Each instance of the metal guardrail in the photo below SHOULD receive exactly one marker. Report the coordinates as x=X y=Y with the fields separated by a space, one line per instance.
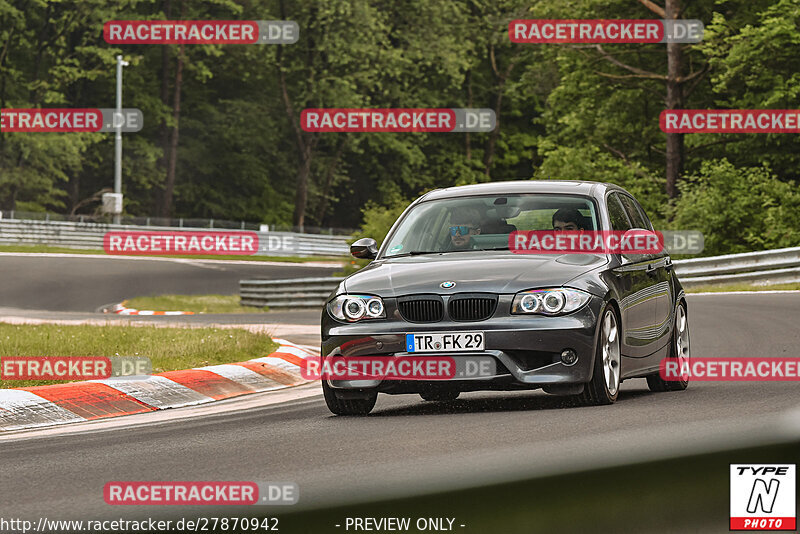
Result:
x=292 y=293
x=89 y=235
x=766 y=267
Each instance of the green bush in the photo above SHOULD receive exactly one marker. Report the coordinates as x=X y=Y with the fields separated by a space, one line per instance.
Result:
x=738 y=209
x=378 y=220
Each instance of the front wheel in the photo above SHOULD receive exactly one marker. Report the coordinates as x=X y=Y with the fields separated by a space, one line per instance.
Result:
x=340 y=406
x=679 y=350
x=604 y=386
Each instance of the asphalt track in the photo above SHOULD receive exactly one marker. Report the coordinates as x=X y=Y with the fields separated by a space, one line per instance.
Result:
x=86 y=282
x=408 y=447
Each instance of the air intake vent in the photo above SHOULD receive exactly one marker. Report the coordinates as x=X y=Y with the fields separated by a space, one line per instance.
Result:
x=421 y=308
x=472 y=307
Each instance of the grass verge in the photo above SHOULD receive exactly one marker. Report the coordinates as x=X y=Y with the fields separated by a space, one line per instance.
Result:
x=169 y=349
x=742 y=287
x=192 y=303
x=64 y=250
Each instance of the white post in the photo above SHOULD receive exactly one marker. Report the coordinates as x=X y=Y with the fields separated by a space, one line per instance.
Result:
x=118 y=136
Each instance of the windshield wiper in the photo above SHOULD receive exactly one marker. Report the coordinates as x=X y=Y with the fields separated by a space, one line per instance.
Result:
x=419 y=252
x=413 y=253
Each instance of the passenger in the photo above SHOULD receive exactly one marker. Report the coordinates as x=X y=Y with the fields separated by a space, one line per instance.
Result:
x=569 y=219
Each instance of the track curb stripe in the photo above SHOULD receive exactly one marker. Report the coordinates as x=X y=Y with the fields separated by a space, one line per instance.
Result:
x=39 y=406
x=291 y=358
x=121 y=309
x=23 y=409
x=242 y=375
x=157 y=391
x=271 y=372
x=90 y=400
x=208 y=383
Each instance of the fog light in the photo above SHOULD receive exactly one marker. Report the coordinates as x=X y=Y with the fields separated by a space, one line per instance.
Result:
x=569 y=357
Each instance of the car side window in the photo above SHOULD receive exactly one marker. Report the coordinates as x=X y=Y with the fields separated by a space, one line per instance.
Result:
x=648 y=223
x=634 y=212
x=619 y=221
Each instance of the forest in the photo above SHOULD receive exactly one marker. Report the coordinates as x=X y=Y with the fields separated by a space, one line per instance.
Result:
x=222 y=136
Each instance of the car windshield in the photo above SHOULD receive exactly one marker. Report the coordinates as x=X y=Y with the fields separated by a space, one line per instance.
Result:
x=485 y=222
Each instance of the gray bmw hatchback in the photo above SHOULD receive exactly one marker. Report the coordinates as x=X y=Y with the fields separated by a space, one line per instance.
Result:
x=448 y=285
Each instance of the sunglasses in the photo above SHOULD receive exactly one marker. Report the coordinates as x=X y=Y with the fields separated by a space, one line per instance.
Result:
x=463 y=230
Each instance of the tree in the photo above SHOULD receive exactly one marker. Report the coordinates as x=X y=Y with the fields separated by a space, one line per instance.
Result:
x=47 y=58
x=755 y=57
x=625 y=85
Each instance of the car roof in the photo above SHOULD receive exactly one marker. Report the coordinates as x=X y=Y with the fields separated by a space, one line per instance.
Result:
x=579 y=187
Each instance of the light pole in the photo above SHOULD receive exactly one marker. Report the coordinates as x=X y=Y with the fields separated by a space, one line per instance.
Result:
x=118 y=138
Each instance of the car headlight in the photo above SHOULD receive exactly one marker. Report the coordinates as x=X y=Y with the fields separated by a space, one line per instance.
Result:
x=352 y=308
x=555 y=301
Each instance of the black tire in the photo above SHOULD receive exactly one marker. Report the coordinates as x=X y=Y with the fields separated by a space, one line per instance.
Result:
x=347 y=406
x=654 y=381
x=596 y=392
x=440 y=396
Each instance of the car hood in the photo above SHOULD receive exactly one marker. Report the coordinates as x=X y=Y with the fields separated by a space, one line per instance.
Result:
x=491 y=272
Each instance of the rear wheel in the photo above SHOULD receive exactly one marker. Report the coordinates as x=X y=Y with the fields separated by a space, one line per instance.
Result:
x=345 y=406
x=440 y=395
x=679 y=349
x=604 y=386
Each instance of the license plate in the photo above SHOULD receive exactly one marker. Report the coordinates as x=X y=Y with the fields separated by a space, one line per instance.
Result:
x=444 y=342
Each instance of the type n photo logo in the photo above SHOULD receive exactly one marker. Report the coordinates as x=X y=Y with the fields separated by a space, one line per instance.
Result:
x=763 y=497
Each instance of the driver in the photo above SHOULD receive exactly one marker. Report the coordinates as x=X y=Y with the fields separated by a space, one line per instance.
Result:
x=464 y=224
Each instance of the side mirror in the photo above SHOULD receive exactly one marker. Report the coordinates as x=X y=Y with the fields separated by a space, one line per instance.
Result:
x=637 y=243
x=365 y=248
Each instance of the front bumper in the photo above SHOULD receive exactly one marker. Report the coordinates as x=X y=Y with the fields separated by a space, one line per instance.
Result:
x=526 y=348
